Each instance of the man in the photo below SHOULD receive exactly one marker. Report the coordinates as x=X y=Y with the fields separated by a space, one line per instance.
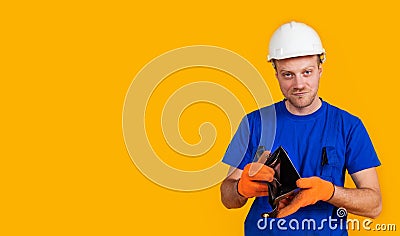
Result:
x=322 y=141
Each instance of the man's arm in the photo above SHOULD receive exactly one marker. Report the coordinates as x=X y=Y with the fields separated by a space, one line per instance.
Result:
x=247 y=183
x=229 y=194
x=365 y=200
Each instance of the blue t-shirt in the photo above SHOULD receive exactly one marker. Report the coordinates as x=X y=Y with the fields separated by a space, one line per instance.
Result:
x=342 y=135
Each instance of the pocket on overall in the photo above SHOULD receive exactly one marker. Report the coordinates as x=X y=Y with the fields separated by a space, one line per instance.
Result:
x=330 y=164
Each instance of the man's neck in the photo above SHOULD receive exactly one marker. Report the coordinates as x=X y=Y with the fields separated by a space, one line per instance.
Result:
x=302 y=111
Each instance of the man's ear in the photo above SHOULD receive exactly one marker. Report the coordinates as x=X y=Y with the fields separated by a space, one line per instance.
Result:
x=320 y=70
x=276 y=74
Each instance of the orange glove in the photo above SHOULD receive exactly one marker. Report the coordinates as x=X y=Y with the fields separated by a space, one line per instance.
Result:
x=313 y=189
x=254 y=177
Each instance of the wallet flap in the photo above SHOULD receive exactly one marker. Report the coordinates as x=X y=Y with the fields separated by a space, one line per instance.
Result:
x=285 y=177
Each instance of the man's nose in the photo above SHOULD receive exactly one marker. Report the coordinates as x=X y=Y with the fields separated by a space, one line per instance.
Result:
x=299 y=82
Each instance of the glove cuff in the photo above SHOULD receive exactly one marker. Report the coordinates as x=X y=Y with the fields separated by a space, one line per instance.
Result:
x=237 y=189
x=333 y=192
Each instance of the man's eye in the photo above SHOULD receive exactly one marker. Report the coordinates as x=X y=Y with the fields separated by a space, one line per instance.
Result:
x=287 y=75
x=308 y=72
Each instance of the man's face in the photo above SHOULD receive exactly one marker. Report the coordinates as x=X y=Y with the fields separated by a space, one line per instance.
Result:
x=298 y=79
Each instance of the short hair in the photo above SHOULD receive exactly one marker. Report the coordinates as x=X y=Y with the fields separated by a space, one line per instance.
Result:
x=321 y=59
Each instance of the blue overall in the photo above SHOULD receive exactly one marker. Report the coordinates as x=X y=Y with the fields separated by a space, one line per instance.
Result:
x=340 y=135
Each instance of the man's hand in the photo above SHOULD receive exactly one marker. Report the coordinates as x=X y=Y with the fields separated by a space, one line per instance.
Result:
x=313 y=189
x=254 y=178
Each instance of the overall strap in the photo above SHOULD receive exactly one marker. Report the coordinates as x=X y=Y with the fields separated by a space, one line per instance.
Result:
x=332 y=123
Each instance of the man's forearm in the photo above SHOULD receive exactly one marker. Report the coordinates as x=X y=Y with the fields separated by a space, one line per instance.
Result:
x=360 y=201
x=230 y=196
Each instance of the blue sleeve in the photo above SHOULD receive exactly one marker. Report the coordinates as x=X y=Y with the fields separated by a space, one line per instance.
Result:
x=360 y=152
x=239 y=152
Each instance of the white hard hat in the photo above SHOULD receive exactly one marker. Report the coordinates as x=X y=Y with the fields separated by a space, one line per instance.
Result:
x=295 y=39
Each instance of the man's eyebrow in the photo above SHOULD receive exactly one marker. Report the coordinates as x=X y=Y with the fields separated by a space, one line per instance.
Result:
x=304 y=68
x=284 y=70
x=309 y=67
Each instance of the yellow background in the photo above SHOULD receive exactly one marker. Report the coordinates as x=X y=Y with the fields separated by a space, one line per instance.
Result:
x=67 y=65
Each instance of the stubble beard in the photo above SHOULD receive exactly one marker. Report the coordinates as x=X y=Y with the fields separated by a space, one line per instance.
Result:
x=303 y=101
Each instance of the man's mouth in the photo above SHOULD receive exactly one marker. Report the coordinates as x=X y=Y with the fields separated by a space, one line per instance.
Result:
x=299 y=94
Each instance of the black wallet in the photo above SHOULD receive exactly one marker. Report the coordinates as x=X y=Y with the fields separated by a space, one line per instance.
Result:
x=284 y=183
